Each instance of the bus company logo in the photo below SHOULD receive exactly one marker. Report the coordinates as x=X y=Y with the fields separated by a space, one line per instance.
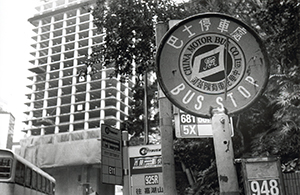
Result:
x=145 y=150
x=212 y=62
x=109 y=130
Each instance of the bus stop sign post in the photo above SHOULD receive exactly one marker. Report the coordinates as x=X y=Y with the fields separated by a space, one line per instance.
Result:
x=209 y=63
x=223 y=146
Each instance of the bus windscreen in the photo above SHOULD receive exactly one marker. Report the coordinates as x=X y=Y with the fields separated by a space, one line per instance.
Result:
x=5 y=168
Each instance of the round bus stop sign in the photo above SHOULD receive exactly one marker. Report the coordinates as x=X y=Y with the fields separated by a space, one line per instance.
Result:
x=209 y=61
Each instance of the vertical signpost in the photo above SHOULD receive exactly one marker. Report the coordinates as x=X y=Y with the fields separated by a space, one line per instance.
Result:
x=212 y=66
x=165 y=123
x=145 y=164
x=111 y=155
x=227 y=176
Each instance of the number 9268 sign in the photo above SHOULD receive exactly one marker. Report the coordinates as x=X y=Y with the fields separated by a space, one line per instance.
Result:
x=264 y=187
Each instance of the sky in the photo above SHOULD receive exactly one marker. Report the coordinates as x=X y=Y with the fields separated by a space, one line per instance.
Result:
x=15 y=40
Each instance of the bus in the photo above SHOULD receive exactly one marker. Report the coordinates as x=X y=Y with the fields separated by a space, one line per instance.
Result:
x=20 y=177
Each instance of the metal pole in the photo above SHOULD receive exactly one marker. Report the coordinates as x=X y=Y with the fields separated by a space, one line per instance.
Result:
x=227 y=175
x=146 y=125
x=126 y=175
x=165 y=123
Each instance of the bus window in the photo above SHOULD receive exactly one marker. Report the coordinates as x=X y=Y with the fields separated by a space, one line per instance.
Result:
x=17 y=171
x=52 y=188
x=34 y=180
x=43 y=184
x=28 y=177
x=47 y=186
x=5 y=168
x=39 y=182
x=20 y=173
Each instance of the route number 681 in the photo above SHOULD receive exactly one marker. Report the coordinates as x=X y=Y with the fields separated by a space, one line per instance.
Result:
x=264 y=187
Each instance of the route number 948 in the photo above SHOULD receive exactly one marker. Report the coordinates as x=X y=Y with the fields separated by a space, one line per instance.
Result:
x=264 y=187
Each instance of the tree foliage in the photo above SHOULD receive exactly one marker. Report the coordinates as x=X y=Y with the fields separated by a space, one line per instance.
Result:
x=269 y=127
x=130 y=33
x=129 y=27
x=279 y=20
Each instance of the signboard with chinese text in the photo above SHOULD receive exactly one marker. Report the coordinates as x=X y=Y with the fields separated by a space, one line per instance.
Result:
x=262 y=176
x=111 y=155
x=212 y=61
x=189 y=126
x=146 y=170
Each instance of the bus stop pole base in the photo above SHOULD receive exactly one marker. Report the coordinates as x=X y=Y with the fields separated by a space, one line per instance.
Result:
x=227 y=175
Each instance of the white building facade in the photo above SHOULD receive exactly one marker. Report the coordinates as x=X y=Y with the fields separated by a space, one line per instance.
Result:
x=65 y=111
x=7 y=123
x=60 y=101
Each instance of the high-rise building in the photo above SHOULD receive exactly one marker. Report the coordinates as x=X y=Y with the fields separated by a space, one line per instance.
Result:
x=60 y=101
x=7 y=123
x=65 y=107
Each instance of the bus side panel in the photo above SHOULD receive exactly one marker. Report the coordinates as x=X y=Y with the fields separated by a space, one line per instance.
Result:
x=39 y=193
x=33 y=192
x=29 y=191
x=22 y=190
x=19 y=189
x=7 y=188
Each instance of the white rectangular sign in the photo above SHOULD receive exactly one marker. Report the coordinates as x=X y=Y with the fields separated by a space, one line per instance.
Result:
x=189 y=126
x=262 y=175
x=146 y=170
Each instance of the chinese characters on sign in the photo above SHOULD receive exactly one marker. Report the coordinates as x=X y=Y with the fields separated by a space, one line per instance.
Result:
x=146 y=170
x=149 y=190
x=144 y=162
x=189 y=126
x=205 y=24
x=212 y=61
x=111 y=155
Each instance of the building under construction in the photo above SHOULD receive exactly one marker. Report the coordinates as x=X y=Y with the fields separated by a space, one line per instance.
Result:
x=65 y=107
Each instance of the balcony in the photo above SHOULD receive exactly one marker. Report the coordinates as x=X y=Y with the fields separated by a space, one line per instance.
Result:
x=38 y=69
